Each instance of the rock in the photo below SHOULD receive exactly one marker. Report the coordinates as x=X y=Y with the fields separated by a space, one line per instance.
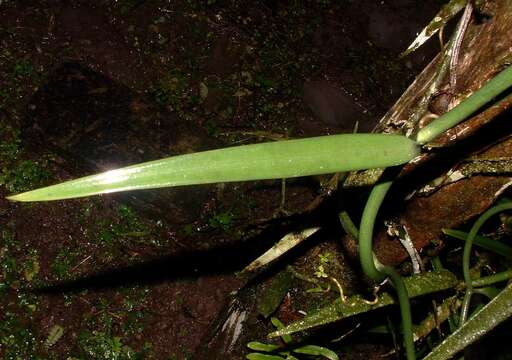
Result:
x=332 y=106
x=81 y=29
x=388 y=30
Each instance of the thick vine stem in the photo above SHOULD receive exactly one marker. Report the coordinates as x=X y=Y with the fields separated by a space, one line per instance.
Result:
x=377 y=271
x=467 y=255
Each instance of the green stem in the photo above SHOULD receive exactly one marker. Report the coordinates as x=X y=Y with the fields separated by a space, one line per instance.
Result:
x=482 y=241
x=348 y=225
x=368 y=261
x=467 y=255
x=479 y=98
x=492 y=279
x=405 y=310
x=437 y=265
x=377 y=271
x=302 y=277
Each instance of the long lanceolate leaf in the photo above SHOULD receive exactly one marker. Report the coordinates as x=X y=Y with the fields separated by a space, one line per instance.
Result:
x=283 y=159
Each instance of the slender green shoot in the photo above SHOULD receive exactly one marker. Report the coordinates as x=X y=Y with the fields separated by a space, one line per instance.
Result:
x=492 y=279
x=377 y=271
x=348 y=225
x=437 y=265
x=368 y=261
x=479 y=98
x=467 y=255
x=482 y=241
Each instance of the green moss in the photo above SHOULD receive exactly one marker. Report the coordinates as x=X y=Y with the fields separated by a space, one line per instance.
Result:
x=31 y=267
x=19 y=264
x=24 y=176
x=22 y=68
x=63 y=263
x=126 y=227
x=9 y=272
x=222 y=221
x=16 y=174
x=134 y=311
x=99 y=345
x=174 y=92
x=16 y=341
x=10 y=144
x=109 y=326
x=20 y=78
x=183 y=355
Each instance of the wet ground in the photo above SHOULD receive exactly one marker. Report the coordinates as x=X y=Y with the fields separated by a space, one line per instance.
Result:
x=88 y=86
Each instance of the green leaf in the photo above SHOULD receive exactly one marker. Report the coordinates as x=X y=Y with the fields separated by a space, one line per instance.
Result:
x=258 y=346
x=495 y=312
x=55 y=334
x=257 y=356
x=203 y=90
x=31 y=270
x=279 y=326
x=273 y=160
x=317 y=351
